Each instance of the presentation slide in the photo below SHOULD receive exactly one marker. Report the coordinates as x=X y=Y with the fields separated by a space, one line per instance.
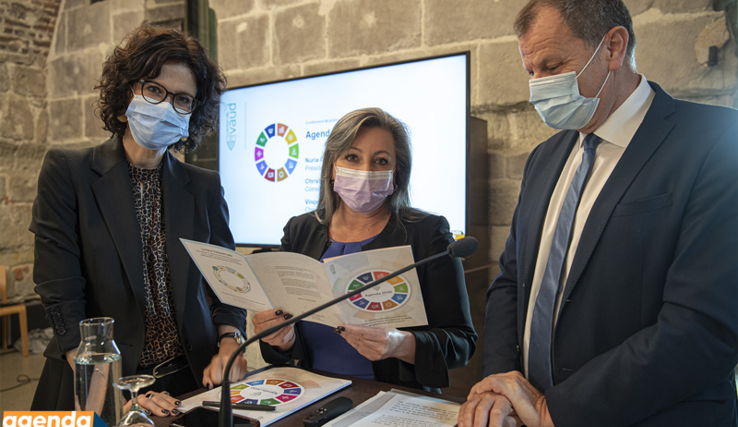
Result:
x=272 y=139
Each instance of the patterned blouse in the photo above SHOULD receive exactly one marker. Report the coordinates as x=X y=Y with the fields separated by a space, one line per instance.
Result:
x=162 y=337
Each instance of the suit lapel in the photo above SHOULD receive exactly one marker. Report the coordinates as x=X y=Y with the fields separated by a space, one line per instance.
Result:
x=645 y=142
x=114 y=198
x=179 y=208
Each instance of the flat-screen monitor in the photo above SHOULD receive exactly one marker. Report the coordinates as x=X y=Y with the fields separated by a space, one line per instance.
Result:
x=272 y=137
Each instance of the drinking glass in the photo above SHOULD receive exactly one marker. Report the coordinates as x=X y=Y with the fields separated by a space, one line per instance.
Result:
x=135 y=416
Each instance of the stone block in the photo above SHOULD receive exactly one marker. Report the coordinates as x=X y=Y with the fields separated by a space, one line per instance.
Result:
x=262 y=75
x=681 y=6
x=516 y=165
x=65 y=119
x=243 y=43
x=14 y=221
x=317 y=68
x=230 y=8
x=71 y=4
x=93 y=124
x=75 y=74
x=168 y=13
x=88 y=26
x=21 y=282
x=527 y=130
x=42 y=126
x=3 y=190
x=299 y=34
x=16 y=118
x=676 y=69
x=7 y=155
x=28 y=81
x=502 y=78
x=124 y=23
x=28 y=157
x=277 y=3
x=715 y=34
x=118 y=6
x=22 y=187
x=60 y=44
x=503 y=197
x=463 y=20
x=4 y=77
x=358 y=27
x=636 y=7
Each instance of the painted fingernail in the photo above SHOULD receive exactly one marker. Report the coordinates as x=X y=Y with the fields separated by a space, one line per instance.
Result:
x=341 y=328
x=210 y=386
x=337 y=330
x=166 y=392
x=278 y=313
x=147 y=412
x=177 y=403
x=288 y=316
x=175 y=412
x=165 y=411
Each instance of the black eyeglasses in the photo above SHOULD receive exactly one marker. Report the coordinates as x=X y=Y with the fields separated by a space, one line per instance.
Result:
x=155 y=93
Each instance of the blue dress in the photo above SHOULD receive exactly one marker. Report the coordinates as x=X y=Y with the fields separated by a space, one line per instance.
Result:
x=329 y=351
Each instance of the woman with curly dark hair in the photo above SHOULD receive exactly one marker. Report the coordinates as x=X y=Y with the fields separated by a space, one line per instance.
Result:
x=107 y=222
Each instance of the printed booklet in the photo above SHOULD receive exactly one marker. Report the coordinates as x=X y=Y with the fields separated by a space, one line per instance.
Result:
x=296 y=283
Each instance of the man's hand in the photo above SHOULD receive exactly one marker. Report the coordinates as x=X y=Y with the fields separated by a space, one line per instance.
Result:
x=488 y=409
x=213 y=373
x=528 y=404
x=379 y=344
x=284 y=338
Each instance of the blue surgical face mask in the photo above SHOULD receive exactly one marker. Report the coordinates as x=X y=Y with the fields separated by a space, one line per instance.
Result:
x=558 y=101
x=156 y=126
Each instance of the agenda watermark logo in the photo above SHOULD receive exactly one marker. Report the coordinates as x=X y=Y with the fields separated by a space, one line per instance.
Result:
x=275 y=145
x=52 y=419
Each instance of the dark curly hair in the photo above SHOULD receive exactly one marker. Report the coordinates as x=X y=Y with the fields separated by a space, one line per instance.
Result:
x=141 y=55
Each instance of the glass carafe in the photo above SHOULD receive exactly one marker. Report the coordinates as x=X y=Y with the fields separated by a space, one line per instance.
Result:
x=97 y=367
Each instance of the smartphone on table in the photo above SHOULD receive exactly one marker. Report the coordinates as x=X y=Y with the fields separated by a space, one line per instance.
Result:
x=206 y=417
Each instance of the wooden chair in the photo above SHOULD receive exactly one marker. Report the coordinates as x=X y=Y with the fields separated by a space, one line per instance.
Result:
x=7 y=310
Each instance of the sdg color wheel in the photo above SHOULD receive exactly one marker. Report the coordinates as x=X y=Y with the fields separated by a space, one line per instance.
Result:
x=276 y=133
x=386 y=296
x=270 y=392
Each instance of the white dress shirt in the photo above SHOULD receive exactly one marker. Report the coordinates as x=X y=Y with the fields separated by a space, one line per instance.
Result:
x=616 y=133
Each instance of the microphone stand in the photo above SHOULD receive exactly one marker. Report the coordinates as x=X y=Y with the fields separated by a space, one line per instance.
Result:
x=225 y=418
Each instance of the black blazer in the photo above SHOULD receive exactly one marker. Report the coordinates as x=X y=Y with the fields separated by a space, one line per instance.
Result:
x=89 y=255
x=449 y=339
x=647 y=333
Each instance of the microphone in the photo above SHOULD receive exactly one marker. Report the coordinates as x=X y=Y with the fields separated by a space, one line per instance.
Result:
x=460 y=248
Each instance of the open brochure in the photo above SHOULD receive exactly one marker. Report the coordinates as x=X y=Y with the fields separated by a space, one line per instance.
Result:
x=297 y=283
x=289 y=389
x=398 y=408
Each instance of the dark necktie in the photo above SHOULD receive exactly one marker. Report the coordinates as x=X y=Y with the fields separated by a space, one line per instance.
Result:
x=541 y=328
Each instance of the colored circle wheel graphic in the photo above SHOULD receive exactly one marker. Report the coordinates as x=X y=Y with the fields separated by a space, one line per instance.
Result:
x=243 y=286
x=387 y=296
x=276 y=133
x=271 y=392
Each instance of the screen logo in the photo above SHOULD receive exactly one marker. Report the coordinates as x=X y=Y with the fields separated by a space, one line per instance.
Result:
x=282 y=147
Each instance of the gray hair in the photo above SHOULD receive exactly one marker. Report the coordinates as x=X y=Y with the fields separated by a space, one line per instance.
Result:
x=589 y=20
x=340 y=140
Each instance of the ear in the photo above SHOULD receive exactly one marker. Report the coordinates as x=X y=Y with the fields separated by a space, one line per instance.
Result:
x=616 y=47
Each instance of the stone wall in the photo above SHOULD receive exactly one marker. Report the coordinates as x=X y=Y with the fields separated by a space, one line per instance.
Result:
x=26 y=31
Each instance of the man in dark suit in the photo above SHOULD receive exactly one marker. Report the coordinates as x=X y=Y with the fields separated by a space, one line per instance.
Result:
x=617 y=300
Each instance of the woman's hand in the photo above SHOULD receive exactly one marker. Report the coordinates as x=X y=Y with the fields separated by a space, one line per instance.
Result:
x=158 y=404
x=284 y=338
x=213 y=373
x=378 y=344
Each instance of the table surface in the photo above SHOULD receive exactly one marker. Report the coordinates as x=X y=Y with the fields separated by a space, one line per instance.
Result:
x=359 y=391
